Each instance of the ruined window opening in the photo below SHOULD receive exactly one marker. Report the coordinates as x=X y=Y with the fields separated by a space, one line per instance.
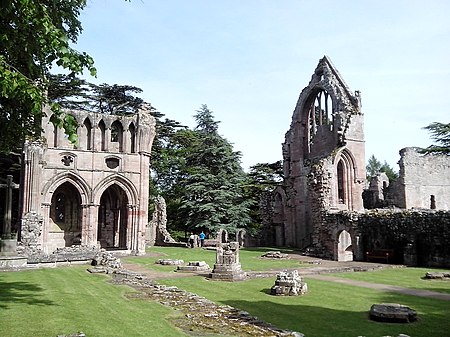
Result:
x=432 y=202
x=55 y=135
x=88 y=126
x=341 y=182
x=320 y=114
x=102 y=127
x=117 y=134
x=132 y=130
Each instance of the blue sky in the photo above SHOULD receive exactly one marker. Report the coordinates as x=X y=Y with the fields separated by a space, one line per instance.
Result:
x=248 y=60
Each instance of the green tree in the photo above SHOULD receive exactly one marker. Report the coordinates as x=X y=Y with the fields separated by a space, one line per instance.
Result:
x=374 y=167
x=262 y=178
x=440 y=132
x=214 y=182
x=34 y=35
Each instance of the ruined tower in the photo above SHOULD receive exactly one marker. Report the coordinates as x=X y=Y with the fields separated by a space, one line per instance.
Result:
x=323 y=158
x=92 y=192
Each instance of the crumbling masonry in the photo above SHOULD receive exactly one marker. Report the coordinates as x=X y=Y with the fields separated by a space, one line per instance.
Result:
x=319 y=206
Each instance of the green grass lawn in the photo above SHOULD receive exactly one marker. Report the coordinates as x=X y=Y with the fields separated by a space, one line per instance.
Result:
x=402 y=277
x=250 y=258
x=328 y=309
x=49 y=302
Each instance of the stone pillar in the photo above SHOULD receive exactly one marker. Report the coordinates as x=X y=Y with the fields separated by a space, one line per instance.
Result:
x=45 y=227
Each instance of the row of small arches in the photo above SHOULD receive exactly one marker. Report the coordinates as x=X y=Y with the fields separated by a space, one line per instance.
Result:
x=99 y=137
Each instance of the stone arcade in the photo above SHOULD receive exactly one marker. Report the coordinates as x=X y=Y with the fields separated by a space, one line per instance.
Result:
x=94 y=192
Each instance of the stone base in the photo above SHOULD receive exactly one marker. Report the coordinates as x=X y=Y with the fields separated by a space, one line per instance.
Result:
x=8 y=247
x=392 y=312
x=228 y=272
x=11 y=262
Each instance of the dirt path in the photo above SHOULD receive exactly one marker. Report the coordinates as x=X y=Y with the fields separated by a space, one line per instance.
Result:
x=383 y=287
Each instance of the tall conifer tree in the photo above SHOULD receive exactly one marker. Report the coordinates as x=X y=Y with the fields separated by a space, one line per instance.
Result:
x=214 y=182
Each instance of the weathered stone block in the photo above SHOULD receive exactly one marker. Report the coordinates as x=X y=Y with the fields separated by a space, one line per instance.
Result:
x=392 y=312
x=289 y=284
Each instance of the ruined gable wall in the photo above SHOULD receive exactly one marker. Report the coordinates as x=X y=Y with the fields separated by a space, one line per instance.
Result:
x=423 y=176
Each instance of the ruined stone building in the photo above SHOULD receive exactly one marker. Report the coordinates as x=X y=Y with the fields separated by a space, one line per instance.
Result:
x=323 y=157
x=320 y=204
x=93 y=192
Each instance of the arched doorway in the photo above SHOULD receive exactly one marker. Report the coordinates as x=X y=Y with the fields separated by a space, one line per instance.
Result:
x=344 y=247
x=113 y=218
x=65 y=216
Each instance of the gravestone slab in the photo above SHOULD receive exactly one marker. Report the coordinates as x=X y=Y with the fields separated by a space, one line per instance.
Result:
x=392 y=312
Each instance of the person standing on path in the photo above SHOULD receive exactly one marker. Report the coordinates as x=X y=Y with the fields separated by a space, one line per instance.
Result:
x=191 y=240
x=202 y=239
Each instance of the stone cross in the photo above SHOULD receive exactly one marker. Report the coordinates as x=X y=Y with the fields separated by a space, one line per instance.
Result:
x=8 y=205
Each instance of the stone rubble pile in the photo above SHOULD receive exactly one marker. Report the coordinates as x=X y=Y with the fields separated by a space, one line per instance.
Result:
x=105 y=262
x=201 y=315
x=437 y=275
x=289 y=283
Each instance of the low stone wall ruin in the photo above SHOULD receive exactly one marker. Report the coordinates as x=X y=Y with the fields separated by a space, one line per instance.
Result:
x=418 y=237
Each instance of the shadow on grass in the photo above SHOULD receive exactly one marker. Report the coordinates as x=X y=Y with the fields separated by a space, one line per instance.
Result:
x=21 y=292
x=319 y=321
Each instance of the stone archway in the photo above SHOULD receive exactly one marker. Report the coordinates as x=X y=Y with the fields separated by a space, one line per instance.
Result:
x=113 y=218
x=344 y=246
x=65 y=217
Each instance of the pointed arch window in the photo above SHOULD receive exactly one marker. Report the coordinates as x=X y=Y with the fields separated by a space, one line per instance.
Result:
x=320 y=115
x=117 y=134
x=88 y=127
x=102 y=127
x=341 y=179
x=132 y=130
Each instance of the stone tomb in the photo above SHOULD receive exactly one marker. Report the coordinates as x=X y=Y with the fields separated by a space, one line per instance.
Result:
x=289 y=283
x=392 y=312
x=195 y=266
x=227 y=266
x=169 y=262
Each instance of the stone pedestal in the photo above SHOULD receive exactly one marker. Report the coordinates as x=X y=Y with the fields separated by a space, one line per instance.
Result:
x=227 y=267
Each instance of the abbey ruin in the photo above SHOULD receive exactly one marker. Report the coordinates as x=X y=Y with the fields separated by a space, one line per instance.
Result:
x=95 y=193
x=320 y=205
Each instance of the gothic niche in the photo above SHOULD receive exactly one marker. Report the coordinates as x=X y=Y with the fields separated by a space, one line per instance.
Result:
x=65 y=214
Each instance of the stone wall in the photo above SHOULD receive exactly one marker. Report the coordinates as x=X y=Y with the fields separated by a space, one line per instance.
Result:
x=424 y=181
x=418 y=237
